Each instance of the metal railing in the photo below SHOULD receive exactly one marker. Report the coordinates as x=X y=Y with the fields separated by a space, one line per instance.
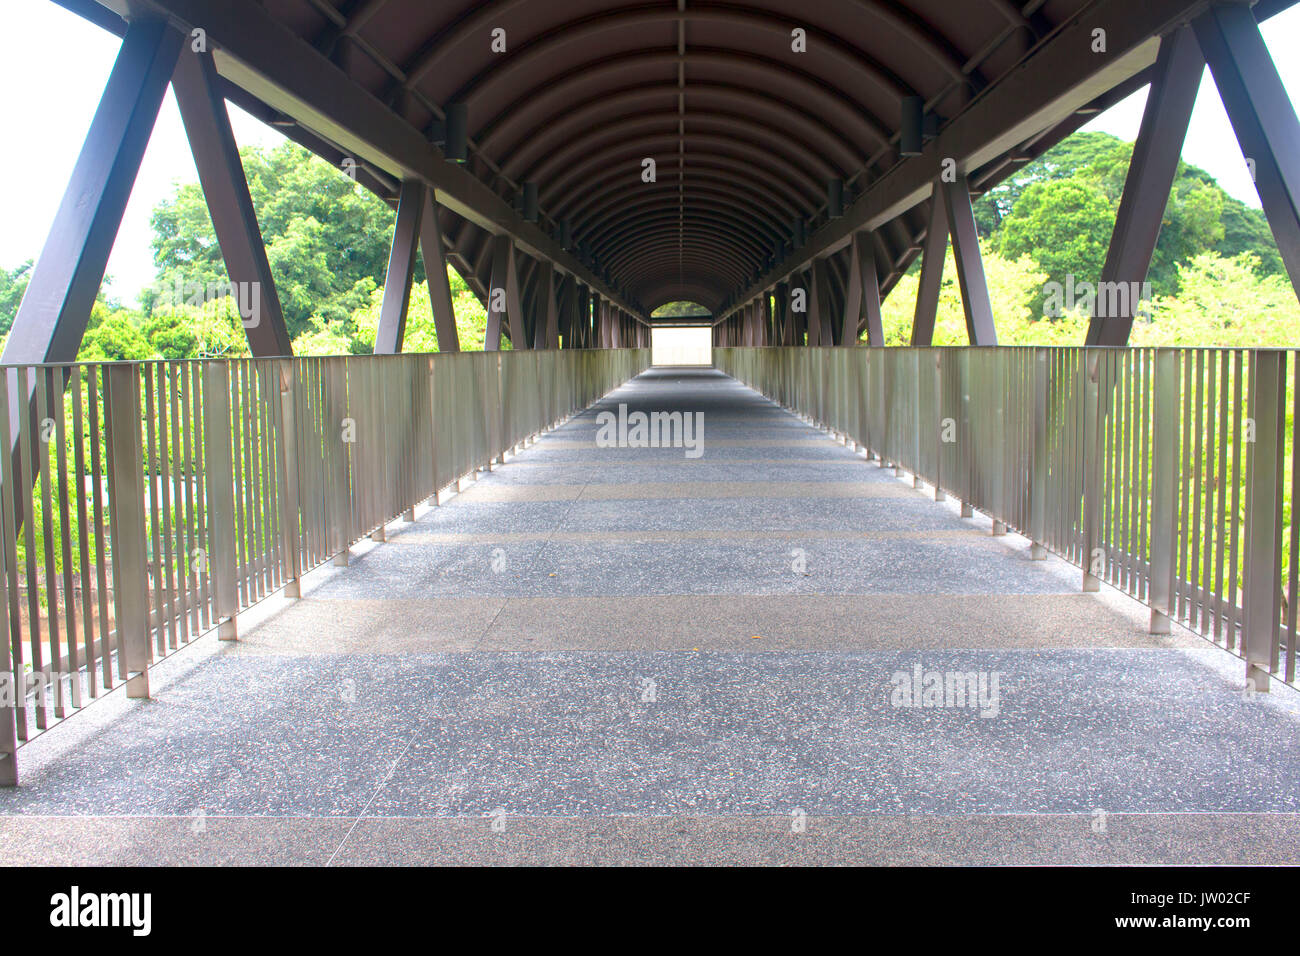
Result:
x=1167 y=473
x=146 y=503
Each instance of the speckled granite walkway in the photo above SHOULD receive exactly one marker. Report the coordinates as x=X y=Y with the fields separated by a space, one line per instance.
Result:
x=630 y=655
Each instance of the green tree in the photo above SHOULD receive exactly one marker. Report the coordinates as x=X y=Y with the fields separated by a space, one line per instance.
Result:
x=1223 y=302
x=1015 y=287
x=13 y=283
x=326 y=238
x=356 y=336
x=211 y=330
x=1200 y=216
x=115 y=338
x=1063 y=225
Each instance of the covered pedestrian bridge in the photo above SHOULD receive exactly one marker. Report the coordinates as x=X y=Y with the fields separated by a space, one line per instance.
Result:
x=853 y=603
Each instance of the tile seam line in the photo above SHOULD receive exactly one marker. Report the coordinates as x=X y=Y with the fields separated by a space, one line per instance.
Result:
x=892 y=814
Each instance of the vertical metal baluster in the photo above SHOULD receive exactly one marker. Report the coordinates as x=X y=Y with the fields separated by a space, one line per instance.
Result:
x=1234 y=567
x=1261 y=597
x=59 y=376
x=1196 y=583
x=290 y=529
x=12 y=635
x=1182 y=577
x=25 y=472
x=41 y=446
x=1214 y=481
x=154 y=567
x=218 y=443
x=83 y=533
x=1146 y=453
x=177 y=582
x=1164 y=492
x=198 y=398
x=127 y=524
x=98 y=474
x=188 y=571
x=1293 y=549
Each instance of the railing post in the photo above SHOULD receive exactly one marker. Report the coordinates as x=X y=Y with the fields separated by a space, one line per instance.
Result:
x=997 y=477
x=939 y=473
x=917 y=464
x=1093 y=447
x=1039 y=461
x=222 y=559
x=434 y=450
x=1261 y=588
x=127 y=525
x=289 y=523
x=8 y=711
x=1164 y=490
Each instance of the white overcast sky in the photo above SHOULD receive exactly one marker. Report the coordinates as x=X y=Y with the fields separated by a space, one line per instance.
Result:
x=53 y=66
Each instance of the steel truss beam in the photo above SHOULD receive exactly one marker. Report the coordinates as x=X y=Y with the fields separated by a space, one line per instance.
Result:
x=862 y=294
x=1262 y=117
x=820 y=323
x=1061 y=76
x=1150 y=178
x=505 y=278
x=435 y=276
x=546 y=331
x=927 y=293
x=225 y=189
x=970 y=266
x=417 y=228
x=260 y=54
x=56 y=307
x=401 y=266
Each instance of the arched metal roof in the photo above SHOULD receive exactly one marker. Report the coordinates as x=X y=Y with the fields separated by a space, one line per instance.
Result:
x=745 y=125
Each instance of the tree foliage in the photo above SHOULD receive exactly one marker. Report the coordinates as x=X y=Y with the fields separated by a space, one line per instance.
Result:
x=327 y=238
x=1077 y=185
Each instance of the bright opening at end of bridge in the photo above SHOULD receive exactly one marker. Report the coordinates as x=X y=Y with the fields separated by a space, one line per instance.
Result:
x=682 y=335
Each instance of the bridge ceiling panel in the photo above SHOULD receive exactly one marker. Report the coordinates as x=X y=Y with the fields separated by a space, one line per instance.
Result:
x=745 y=121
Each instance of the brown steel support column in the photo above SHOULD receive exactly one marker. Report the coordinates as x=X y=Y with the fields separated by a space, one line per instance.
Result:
x=591 y=320
x=1146 y=189
x=1262 y=117
x=970 y=266
x=564 y=309
x=819 y=305
x=799 y=320
x=811 y=325
x=784 y=321
x=932 y=257
x=862 y=296
x=435 y=273
x=56 y=307
x=401 y=267
x=504 y=292
x=546 y=329
x=581 y=316
x=225 y=188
